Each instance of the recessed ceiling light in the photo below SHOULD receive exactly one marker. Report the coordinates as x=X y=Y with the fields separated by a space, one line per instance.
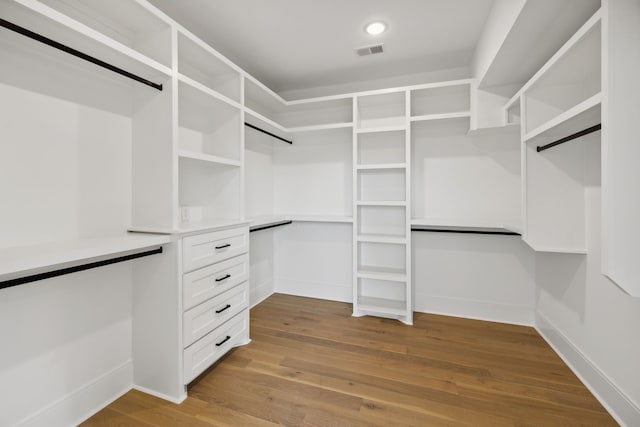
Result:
x=375 y=28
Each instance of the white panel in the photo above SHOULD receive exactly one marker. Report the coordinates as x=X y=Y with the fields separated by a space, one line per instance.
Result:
x=60 y=335
x=313 y=176
x=621 y=174
x=314 y=260
x=261 y=260
x=475 y=276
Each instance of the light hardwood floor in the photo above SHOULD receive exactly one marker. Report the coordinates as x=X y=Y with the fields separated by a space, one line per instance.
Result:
x=311 y=363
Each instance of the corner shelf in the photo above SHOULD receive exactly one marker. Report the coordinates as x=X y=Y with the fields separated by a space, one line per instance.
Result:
x=382 y=238
x=380 y=129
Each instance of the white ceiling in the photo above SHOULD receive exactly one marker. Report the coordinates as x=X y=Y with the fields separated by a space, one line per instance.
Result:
x=300 y=44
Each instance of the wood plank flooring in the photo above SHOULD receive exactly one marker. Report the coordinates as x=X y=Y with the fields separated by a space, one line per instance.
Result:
x=311 y=364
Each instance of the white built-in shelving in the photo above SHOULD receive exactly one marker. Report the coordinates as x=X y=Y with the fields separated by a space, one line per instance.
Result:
x=381 y=207
x=561 y=99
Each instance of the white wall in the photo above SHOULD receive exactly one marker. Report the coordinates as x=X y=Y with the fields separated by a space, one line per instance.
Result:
x=66 y=342
x=314 y=260
x=488 y=277
x=590 y=321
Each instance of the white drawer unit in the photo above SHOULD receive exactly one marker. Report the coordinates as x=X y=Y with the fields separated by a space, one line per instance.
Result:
x=203 y=353
x=207 y=316
x=200 y=285
x=208 y=248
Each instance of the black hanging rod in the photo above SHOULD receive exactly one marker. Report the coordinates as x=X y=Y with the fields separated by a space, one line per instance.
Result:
x=446 y=230
x=265 y=227
x=42 y=39
x=583 y=132
x=75 y=269
x=268 y=133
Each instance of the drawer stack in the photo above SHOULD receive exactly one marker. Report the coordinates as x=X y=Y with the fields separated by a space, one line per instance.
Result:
x=215 y=297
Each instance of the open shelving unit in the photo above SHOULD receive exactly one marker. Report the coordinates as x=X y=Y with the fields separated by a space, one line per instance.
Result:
x=382 y=249
x=561 y=109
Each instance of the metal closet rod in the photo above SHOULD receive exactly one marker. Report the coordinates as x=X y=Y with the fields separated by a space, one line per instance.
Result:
x=42 y=39
x=268 y=133
x=447 y=230
x=75 y=269
x=583 y=132
x=266 y=227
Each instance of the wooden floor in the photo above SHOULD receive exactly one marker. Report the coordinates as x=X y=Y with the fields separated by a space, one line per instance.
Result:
x=311 y=363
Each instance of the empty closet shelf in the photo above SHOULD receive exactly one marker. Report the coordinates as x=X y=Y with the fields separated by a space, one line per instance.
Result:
x=19 y=262
x=382 y=273
x=382 y=306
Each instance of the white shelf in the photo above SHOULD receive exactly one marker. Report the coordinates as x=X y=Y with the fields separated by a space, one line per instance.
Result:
x=265 y=123
x=316 y=128
x=380 y=166
x=193 y=226
x=274 y=219
x=320 y=218
x=509 y=129
x=210 y=92
x=393 y=128
x=582 y=116
x=382 y=306
x=29 y=260
x=185 y=154
x=381 y=238
x=559 y=250
x=463 y=225
x=401 y=203
x=442 y=116
x=382 y=273
x=78 y=35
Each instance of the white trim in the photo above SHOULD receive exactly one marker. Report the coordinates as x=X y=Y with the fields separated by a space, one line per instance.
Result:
x=311 y=289
x=258 y=294
x=608 y=394
x=160 y=395
x=473 y=309
x=82 y=403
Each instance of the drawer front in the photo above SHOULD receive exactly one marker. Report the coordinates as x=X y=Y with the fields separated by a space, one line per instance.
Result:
x=203 y=353
x=207 y=316
x=208 y=248
x=201 y=285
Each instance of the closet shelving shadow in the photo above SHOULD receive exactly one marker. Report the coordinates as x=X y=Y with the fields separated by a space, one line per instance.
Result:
x=561 y=99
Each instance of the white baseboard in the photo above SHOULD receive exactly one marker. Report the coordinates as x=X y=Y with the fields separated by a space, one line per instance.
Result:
x=327 y=291
x=472 y=309
x=260 y=292
x=161 y=395
x=622 y=409
x=82 y=403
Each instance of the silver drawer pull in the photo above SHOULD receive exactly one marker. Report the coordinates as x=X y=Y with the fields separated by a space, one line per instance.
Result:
x=220 y=279
x=218 y=344
x=228 y=306
x=226 y=245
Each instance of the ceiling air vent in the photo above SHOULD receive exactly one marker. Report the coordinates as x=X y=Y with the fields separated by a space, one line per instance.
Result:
x=369 y=50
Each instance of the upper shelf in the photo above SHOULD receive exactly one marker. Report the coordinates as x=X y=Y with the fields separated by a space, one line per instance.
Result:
x=30 y=260
x=129 y=36
x=199 y=62
x=567 y=88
